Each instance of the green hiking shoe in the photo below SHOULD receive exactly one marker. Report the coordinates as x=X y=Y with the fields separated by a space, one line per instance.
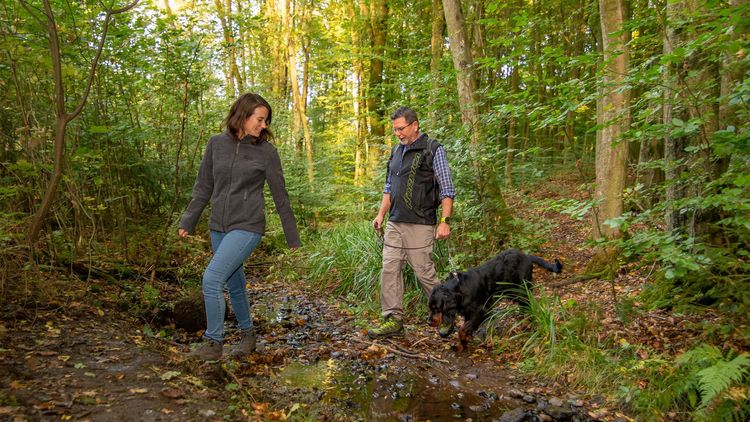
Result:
x=391 y=327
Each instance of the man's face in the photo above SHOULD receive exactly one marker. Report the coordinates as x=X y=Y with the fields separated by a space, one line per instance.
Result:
x=405 y=131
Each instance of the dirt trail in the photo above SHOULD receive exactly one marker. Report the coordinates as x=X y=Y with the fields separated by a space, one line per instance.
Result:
x=85 y=361
x=89 y=364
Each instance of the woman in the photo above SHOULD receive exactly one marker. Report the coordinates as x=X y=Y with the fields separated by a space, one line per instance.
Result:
x=235 y=167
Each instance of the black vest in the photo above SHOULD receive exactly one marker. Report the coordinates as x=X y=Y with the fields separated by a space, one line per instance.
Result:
x=415 y=193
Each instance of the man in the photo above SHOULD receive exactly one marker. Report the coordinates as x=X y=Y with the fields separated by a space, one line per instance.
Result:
x=418 y=180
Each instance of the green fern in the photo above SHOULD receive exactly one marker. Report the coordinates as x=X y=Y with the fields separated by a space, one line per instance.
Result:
x=719 y=382
x=715 y=379
x=700 y=356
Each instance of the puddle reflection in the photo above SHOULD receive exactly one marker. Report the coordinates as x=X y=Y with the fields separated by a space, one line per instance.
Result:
x=411 y=393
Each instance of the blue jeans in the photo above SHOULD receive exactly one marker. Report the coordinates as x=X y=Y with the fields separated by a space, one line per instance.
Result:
x=225 y=270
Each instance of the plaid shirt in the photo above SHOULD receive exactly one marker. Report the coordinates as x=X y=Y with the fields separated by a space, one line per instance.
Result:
x=442 y=171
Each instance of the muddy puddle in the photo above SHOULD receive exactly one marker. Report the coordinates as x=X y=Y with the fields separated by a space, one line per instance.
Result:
x=390 y=392
x=314 y=363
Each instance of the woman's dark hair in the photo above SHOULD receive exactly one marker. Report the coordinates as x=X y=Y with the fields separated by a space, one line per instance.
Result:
x=242 y=109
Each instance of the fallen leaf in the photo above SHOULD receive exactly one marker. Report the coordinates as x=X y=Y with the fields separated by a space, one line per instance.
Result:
x=7 y=410
x=260 y=407
x=374 y=352
x=169 y=375
x=15 y=385
x=167 y=410
x=138 y=390
x=294 y=408
x=172 y=393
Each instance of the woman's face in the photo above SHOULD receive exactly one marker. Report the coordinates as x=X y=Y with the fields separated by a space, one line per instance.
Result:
x=256 y=122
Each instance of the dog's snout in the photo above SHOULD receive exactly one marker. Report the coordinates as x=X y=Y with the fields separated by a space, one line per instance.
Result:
x=436 y=319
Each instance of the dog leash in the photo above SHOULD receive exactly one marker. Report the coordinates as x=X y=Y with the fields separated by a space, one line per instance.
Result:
x=451 y=263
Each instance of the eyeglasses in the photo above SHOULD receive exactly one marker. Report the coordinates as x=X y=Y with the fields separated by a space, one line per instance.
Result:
x=401 y=129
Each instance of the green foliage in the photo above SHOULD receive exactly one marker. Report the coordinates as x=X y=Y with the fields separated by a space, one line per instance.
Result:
x=711 y=384
x=574 y=208
x=697 y=267
x=347 y=262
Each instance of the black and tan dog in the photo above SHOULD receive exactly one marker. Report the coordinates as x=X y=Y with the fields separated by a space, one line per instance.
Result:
x=471 y=293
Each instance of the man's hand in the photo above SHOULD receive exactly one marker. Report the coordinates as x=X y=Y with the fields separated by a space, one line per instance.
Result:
x=443 y=231
x=377 y=223
x=182 y=232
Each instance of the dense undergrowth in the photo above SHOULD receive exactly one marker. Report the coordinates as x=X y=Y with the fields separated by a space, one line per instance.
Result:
x=565 y=338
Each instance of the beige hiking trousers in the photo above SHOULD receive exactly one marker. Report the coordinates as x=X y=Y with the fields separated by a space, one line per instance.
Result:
x=405 y=242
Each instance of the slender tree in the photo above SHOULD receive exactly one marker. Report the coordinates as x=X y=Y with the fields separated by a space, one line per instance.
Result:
x=299 y=104
x=611 y=149
x=463 y=64
x=436 y=48
x=378 y=23
x=62 y=116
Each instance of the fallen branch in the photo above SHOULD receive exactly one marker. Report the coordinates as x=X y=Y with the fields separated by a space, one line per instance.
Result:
x=409 y=354
x=183 y=347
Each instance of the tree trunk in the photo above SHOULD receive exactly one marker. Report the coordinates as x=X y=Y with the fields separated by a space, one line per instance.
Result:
x=358 y=68
x=511 y=128
x=62 y=117
x=436 y=47
x=611 y=150
x=477 y=43
x=298 y=102
x=462 y=63
x=276 y=48
x=378 y=15
x=235 y=83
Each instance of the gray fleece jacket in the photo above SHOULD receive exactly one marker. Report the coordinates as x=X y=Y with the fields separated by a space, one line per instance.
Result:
x=232 y=176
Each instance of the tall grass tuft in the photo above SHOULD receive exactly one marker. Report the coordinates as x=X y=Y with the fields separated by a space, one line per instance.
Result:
x=347 y=261
x=539 y=316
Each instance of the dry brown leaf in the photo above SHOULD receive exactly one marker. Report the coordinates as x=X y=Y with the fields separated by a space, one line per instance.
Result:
x=374 y=352
x=260 y=407
x=172 y=393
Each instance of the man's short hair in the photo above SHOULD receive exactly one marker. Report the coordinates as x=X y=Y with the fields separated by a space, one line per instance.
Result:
x=407 y=113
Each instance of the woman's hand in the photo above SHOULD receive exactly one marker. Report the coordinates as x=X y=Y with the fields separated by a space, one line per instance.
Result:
x=182 y=232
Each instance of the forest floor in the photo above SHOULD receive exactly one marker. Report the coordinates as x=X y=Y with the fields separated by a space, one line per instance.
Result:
x=78 y=357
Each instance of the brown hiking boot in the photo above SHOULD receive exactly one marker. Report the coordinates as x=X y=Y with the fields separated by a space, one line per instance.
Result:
x=391 y=327
x=209 y=350
x=246 y=345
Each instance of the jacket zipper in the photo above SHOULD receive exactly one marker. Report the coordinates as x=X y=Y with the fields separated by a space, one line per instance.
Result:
x=226 y=199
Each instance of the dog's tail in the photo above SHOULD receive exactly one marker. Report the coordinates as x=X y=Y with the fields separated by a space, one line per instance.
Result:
x=555 y=268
